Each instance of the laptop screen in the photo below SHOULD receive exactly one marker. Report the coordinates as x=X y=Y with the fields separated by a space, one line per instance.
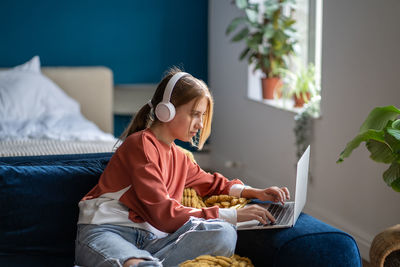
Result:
x=301 y=183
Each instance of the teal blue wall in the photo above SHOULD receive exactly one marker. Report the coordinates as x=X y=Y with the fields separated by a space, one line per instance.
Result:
x=137 y=39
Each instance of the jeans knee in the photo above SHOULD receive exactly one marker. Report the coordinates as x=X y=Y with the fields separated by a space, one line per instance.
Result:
x=229 y=235
x=224 y=237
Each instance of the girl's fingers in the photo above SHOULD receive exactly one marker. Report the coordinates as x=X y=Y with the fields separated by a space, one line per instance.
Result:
x=270 y=217
x=262 y=218
x=255 y=212
x=264 y=214
x=281 y=194
x=278 y=195
x=286 y=192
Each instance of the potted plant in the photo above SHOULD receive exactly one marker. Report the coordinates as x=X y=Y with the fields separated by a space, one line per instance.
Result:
x=269 y=33
x=300 y=84
x=381 y=134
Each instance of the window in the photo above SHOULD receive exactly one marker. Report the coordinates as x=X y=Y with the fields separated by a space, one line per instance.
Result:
x=308 y=16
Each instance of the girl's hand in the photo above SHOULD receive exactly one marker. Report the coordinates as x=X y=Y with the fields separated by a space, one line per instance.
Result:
x=254 y=212
x=274 y=194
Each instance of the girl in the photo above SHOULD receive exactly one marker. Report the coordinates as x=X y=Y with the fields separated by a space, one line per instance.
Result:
x=133 y=216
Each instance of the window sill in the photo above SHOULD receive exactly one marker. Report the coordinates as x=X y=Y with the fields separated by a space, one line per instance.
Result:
x=282 y=103
x=286 y=104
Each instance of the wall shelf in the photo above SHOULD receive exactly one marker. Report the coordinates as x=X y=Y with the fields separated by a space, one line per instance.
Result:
x=129 y=98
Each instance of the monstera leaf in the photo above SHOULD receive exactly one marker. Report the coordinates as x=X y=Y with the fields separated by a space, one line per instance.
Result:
x=381 y=134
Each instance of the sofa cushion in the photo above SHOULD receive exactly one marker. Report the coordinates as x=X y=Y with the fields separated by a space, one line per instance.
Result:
x=309 y=243
x=36 y=260
x=39 y=202
x=67 y=159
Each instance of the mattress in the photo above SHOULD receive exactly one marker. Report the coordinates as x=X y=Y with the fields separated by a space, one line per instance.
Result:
x=53 y=147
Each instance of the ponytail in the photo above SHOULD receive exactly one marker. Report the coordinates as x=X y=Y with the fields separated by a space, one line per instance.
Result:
x=139 y=122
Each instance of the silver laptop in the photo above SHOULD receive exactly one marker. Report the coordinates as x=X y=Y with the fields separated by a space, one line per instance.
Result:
x=285 y=215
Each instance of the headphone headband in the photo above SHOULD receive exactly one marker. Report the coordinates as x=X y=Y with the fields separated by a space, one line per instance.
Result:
x=165 y=110
x=171 y=84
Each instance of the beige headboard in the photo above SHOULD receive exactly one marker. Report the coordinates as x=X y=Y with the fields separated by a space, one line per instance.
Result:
x=92 y=87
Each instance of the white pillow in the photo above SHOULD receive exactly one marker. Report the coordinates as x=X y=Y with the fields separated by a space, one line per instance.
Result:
x=32 y=65
x=27 y=94
x=33 y=106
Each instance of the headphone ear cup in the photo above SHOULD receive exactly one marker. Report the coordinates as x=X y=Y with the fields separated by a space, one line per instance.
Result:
x=165 y=111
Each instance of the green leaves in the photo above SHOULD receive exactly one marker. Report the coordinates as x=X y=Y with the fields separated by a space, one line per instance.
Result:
x=396 y=185
x=394 y=132
x=379 y=117
x=269 y=36
x=381 y=133
x=268 y=31
x=380 y=151
x=271 y=6
x=288 y=23
x=362 y=137
x=392 y=176
x=396 y=124
x=254 y=41
x=240 y=35
x=241 y=4
x=234 y=24
x=244 y=53
x=252 y=15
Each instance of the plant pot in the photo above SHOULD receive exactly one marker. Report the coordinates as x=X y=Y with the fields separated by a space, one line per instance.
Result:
x=271 y=87
x=385 y=248
x=299 y=101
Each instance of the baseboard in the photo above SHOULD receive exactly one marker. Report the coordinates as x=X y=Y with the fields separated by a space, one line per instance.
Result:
x=362 y=238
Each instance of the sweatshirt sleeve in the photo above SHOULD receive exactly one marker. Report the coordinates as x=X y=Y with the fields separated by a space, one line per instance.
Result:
x=149 y=198
x=208 y=184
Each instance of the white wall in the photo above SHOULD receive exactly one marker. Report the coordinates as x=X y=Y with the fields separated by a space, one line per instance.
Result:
x=360 y=70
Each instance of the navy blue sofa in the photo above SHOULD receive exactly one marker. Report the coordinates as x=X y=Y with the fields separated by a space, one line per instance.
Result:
x=38 y=214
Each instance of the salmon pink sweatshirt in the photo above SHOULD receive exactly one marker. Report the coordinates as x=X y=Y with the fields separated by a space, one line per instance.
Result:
x=142 y=186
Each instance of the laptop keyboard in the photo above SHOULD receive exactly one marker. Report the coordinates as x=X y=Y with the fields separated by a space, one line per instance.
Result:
x=281 y=213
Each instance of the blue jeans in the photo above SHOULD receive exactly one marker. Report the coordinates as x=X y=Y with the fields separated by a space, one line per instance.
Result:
x=111 y=245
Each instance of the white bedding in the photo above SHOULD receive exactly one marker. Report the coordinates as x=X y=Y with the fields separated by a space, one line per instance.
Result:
x=52 y=147
x=35 y=112
x=73 y=127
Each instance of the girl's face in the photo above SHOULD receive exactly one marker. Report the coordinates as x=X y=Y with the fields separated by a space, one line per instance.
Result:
x=188 y=119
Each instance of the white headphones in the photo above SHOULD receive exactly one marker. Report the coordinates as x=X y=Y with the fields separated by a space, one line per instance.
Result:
x=165 y=110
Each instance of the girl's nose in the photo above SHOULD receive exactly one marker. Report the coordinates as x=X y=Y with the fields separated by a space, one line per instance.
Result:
x=199 y=124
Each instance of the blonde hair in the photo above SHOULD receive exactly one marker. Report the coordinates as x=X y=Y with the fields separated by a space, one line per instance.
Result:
x=186 y=89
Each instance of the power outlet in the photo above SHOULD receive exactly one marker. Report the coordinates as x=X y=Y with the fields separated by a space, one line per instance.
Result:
x=233 y=164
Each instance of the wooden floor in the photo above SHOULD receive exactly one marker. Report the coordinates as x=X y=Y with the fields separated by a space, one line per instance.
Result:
x=366 y=263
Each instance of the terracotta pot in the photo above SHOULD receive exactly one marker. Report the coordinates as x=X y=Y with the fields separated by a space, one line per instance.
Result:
x=299 y=101
x=271 y=87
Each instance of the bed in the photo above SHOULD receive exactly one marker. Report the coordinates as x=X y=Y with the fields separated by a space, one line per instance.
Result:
x=55 y=110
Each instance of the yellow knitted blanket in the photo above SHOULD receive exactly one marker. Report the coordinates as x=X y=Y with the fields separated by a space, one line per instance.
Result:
x=190 y=198
x=219 y=261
